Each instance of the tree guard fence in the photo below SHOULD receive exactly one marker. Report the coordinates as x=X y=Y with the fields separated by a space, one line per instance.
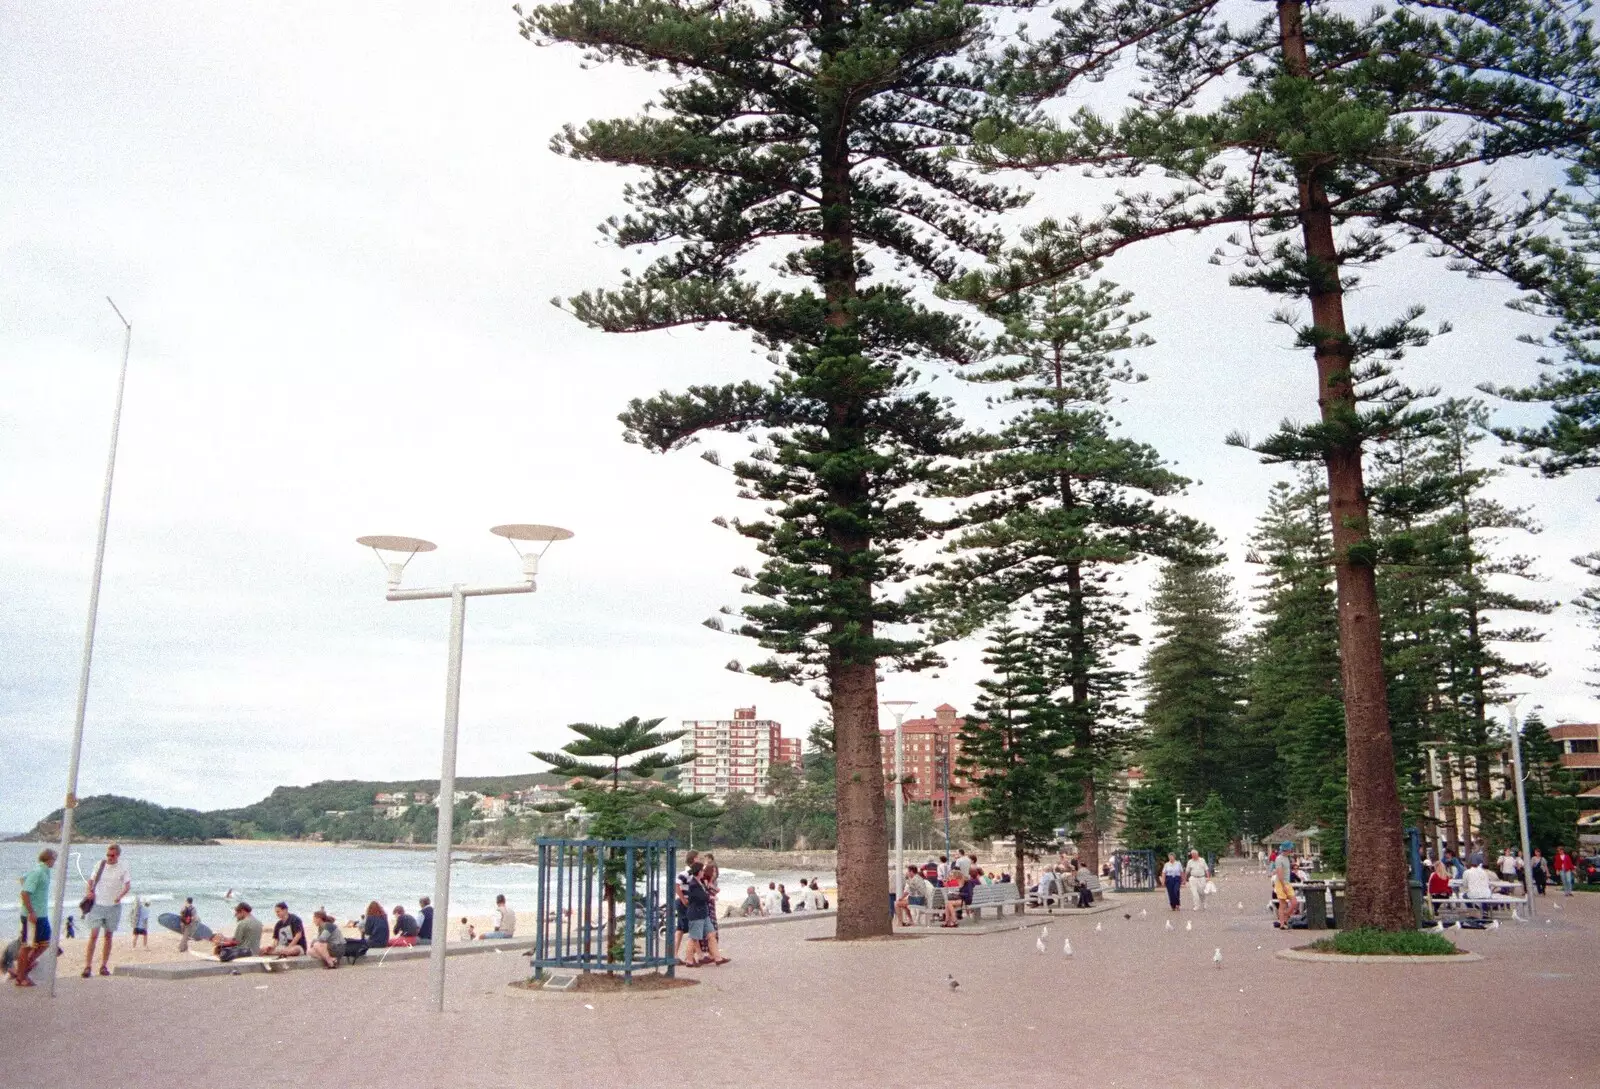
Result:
x=1133 y=871
x=606 y=905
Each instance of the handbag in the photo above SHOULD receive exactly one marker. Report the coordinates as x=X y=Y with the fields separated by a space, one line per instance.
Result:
x=1211 y=887
x=86 y=905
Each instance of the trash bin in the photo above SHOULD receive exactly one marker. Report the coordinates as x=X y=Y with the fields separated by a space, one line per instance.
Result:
x=1316 y=899
x=1339 y=899
x=1419 y=904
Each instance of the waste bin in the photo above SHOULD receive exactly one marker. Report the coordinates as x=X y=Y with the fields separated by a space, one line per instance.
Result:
x=1316 y=899
x=1339 y=899
x=1419 y=904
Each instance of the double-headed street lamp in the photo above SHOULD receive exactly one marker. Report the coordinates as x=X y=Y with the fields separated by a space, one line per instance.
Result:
x=897 y=708
x=408 y=547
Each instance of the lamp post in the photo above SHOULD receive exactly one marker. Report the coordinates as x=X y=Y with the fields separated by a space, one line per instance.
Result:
x=1522 y=803
x=58 y=898
x=458 y=594
x=897 y=708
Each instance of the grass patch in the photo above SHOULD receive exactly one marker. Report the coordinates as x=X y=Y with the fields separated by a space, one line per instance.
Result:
x=1367 y=942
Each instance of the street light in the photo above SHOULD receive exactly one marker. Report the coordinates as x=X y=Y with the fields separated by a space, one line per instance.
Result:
x=458 y=594
x=1522 y=801
x=57 y=905
x=897 y=708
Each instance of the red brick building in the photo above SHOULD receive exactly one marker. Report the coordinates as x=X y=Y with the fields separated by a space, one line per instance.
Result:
x=1580 y=754
x=931 y=745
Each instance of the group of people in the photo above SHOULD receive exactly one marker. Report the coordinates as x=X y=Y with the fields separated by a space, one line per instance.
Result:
x=111 y=884
x=778 y=900
x=1511 y=867
x=1196 y=873
x=696 y=899
x=1066 y=877
x=958 y=878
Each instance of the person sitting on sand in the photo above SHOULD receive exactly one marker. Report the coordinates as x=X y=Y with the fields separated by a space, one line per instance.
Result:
x=329 y=944
x=246 y=940
x=771 y=902
x=288 y=934
x=405 y=929
x=505 y=920
x=752 y=903
x=468 y=932
x=375 y=926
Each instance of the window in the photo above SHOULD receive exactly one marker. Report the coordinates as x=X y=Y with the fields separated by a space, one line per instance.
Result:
x=1584 y=745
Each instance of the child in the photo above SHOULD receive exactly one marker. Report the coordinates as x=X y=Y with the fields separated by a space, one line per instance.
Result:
x=468 y=931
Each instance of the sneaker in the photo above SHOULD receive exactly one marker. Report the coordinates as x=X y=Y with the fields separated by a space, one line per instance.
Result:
x=87 y=973
x=104 y=970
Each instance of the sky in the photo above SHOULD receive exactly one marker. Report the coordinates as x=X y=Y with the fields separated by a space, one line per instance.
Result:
x=336 y=230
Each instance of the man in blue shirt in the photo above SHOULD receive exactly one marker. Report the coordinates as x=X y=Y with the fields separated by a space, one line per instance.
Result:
x=425 y=924
x=35 y=917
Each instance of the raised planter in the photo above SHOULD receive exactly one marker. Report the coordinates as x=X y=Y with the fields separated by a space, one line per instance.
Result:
x=1462 y=957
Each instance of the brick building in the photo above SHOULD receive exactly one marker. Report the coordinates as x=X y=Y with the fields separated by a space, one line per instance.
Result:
x=1580 y=754
x=931 y=744
x=735 y=754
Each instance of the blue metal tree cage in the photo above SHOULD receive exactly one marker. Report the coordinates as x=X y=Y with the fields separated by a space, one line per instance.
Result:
x=1134 y=871
x=606 y=905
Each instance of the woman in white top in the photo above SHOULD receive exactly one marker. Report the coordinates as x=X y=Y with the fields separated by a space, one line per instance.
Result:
x=1195 y=874
x=1172 y=877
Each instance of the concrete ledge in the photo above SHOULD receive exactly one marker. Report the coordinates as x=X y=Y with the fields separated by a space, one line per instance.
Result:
x=1347 y=958
x=196 y=968
x=734 y=921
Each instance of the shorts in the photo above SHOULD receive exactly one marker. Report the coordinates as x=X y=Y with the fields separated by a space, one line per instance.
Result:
x=919 y=901
x=41 y=930
x=699 y=930
x=105 y=916
x=140 y=930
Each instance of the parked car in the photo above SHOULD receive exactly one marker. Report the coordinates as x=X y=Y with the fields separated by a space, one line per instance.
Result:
x=1589 y=869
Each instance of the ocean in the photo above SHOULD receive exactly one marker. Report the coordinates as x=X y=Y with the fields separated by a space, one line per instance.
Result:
x=306 y=876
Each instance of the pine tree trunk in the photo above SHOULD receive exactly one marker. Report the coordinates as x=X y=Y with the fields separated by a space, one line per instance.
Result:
x=1376 y=866
x=863 y=855
x=1447 y=803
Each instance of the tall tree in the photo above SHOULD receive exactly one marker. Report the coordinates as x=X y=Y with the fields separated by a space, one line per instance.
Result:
x=1566 y=276
x=1588 y=603
x=1326 y=138
x=1194 y=685
x=812 y=133
x=1058 y=502
x=1294 y=723
x=1009 y=747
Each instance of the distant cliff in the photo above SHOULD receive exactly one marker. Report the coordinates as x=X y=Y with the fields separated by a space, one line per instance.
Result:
x=336 y=810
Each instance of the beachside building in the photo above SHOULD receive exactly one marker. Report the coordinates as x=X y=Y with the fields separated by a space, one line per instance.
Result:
x=932 y=748
x=491 y=808
x=1580 y=754
x=734 y=755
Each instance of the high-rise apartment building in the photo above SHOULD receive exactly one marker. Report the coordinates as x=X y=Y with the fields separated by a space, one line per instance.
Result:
x=932 y=748
x=735 y=755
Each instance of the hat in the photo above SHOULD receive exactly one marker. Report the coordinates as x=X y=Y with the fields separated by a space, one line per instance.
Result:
x=1286 y=845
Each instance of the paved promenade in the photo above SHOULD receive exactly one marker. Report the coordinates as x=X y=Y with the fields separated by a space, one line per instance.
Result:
x=1135 y=1005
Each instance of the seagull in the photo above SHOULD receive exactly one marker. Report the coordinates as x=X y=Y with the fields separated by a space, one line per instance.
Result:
x=1169 y=924
x=1241 y=905
x=1097 y=928
x=954 y=982
x=1125 y=915
x=1066 y=947
x=1143 y=913
x=1038 y=944
x=1189 y=925
x=1436 y=928
x=1216 y=958
x=1495 y=925
x=1045 y=933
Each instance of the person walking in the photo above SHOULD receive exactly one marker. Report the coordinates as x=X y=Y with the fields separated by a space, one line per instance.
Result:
x=1282 y=876
x=102 y=905
x=1566 y=869
x=188 y=919
x=35 y=903
x=1172 y=877
x=1540 y=869
x=1196 y=873
x=141 y=922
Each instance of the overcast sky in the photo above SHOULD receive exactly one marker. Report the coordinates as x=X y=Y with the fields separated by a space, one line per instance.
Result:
x=336 y=229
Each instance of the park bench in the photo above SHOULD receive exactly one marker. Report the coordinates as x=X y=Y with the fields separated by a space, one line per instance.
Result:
x=999 y=897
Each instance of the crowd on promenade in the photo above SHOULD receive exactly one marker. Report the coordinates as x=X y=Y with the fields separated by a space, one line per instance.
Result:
x=285 y=935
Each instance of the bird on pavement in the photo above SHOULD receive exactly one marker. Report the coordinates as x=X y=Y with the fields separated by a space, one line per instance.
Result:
x=1066 y=947
x=1045 y=933
x=1039 y=944
x=1143 y=913
x=1125 y=915
x=1189 y=925
x=1216 y=958
x=1169 y=924
x=1241 y=905
x=1495 y=925
x=954 y=983
x=1097 y=928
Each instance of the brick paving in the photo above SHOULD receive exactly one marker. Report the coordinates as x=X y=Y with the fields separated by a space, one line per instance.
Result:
x=1135 y=1006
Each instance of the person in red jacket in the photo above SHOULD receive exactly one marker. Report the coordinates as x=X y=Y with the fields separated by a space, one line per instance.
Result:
x=1566 y=869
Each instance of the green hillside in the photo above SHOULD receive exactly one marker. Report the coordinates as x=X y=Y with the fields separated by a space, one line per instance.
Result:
x=336 y=810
